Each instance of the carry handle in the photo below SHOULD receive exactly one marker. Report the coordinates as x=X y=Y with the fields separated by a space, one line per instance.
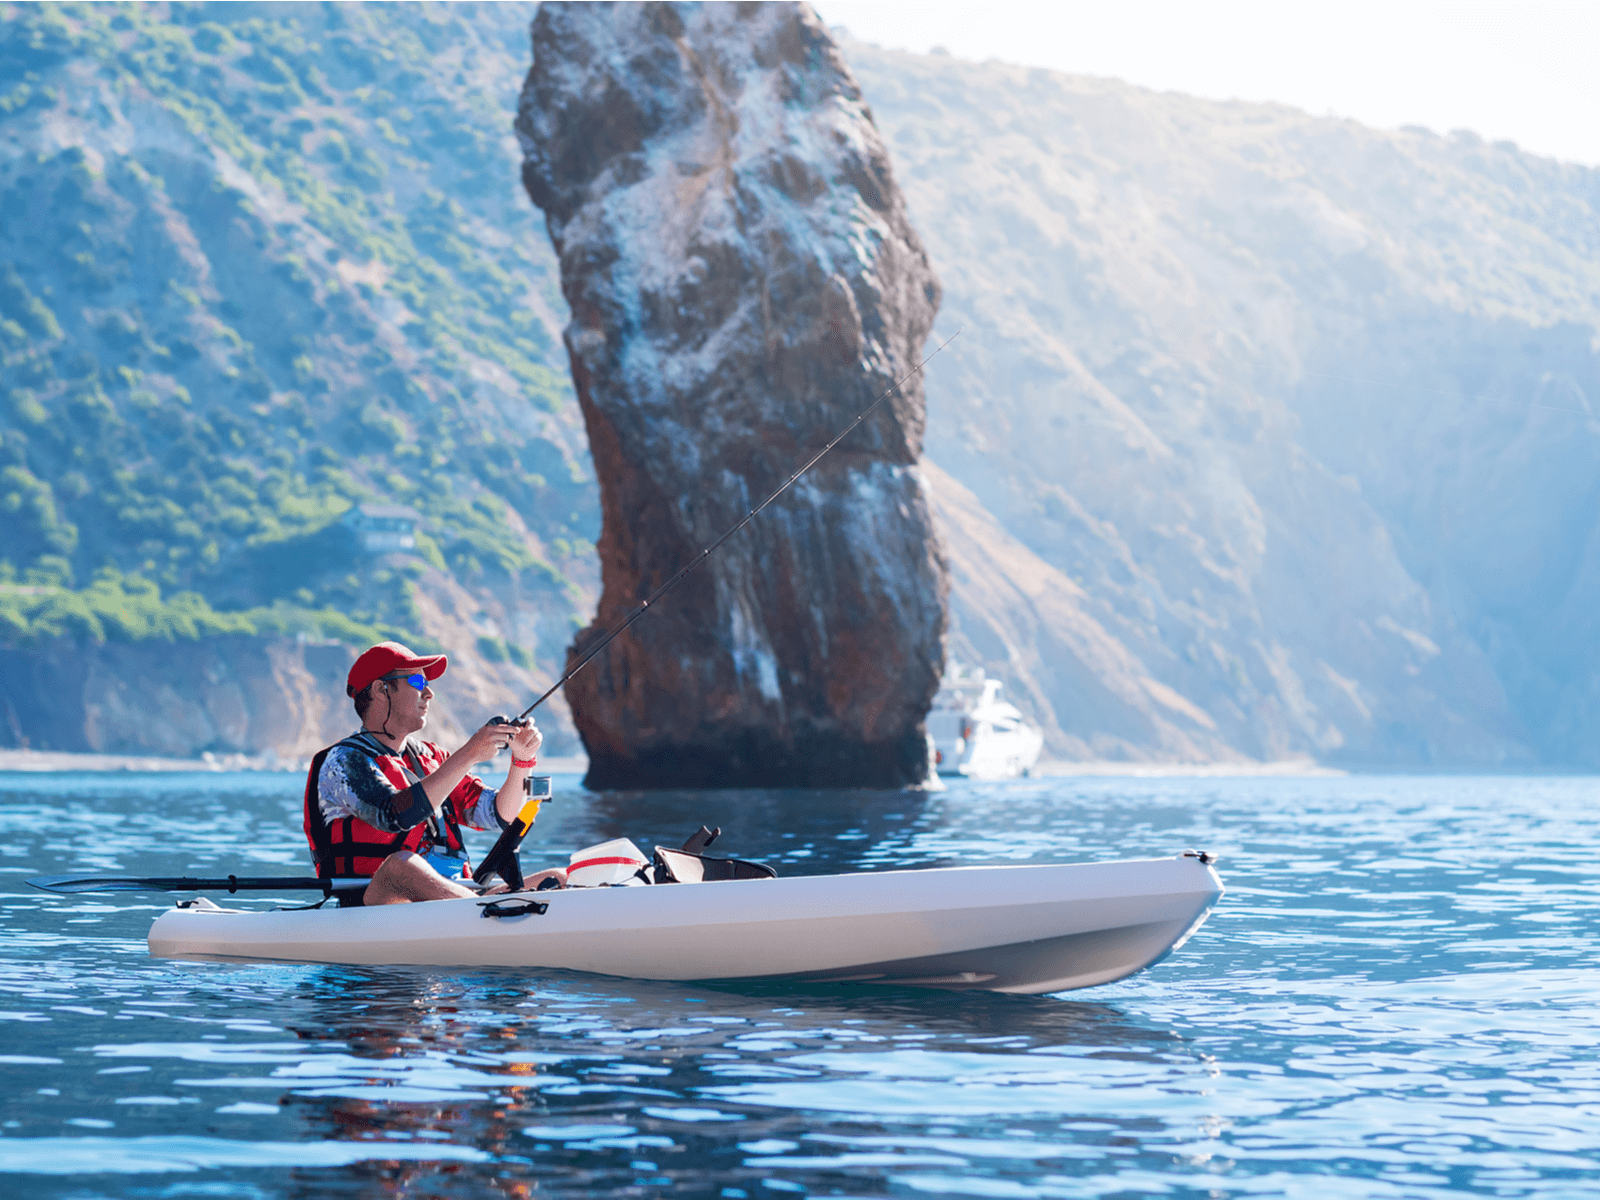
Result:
x=518 y=907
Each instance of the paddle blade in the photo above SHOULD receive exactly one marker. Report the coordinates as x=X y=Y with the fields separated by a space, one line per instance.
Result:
x=72 y=885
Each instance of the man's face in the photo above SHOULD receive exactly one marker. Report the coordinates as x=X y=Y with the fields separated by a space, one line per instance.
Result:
x=408 y=708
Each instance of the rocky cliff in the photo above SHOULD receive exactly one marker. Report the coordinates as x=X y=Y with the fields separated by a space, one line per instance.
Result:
x=743 y=279
x=1300 y=413
x=1052 y=644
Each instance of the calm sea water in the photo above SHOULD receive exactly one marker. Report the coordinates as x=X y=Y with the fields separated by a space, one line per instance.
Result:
x=1396 y=998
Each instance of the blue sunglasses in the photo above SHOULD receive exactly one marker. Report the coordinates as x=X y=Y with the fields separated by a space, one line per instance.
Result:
x=419 y=681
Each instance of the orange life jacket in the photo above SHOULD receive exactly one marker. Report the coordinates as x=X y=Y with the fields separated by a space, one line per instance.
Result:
x=350 y=846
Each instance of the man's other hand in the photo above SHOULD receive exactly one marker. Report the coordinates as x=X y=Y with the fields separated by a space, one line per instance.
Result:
x=526 y=742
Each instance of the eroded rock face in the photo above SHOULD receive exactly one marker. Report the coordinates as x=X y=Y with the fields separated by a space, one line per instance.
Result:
x=743 y=280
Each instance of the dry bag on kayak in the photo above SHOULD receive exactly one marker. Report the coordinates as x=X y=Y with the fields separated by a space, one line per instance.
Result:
x=610 y=864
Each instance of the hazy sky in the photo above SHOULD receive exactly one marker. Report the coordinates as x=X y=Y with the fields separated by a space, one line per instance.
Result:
x=1529 y=72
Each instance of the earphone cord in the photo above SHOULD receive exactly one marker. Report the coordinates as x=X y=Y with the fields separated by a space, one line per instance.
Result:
x=388 y=712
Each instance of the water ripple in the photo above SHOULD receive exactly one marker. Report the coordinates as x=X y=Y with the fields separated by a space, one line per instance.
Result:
x=1396 y=999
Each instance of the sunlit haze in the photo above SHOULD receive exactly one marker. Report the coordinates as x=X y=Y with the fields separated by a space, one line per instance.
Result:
x=1524 y=72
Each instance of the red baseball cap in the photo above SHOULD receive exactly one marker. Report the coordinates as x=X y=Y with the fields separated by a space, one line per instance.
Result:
x=392 y=656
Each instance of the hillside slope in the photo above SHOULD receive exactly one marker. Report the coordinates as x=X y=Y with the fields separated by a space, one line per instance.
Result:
x=1303 y=408
x=259 y=263
x=1268 y=435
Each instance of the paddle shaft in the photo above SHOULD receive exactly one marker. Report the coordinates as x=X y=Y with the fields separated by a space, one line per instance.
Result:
x=71 y=885
x=644 y=605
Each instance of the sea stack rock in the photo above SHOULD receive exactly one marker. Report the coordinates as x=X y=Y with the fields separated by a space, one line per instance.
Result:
x=743 y=281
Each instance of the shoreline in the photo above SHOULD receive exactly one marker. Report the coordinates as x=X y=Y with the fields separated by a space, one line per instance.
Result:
x=14 y=761
x=1298 y=768
x=64 y=762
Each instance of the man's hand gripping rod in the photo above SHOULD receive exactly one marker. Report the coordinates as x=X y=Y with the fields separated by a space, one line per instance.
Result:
x=704 y=554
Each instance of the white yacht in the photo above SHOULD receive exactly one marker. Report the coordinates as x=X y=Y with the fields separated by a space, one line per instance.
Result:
x=977 y=734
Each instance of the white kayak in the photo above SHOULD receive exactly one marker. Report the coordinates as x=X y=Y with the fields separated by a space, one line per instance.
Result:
x=1027 y=929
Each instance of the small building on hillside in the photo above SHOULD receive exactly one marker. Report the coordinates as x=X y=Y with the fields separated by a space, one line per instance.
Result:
x=384 y=527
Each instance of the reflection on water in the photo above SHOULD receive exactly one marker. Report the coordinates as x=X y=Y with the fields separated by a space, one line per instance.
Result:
x=1395 y=999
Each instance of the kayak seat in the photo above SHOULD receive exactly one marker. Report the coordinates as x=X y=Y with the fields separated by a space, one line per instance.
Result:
x=683 y=866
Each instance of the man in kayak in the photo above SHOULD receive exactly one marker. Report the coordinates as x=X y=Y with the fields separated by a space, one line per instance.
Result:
x=384 y=804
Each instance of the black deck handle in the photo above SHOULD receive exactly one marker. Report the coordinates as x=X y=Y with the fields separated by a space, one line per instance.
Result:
x=515 y=908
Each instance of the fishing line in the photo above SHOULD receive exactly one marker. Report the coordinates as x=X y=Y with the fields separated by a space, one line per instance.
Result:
x=706 y=552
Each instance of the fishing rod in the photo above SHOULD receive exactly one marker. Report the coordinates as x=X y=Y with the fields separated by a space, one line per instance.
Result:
x=502 y=858
x=706 y=552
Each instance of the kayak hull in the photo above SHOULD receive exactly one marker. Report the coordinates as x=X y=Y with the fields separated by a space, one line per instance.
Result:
x=1028 y=929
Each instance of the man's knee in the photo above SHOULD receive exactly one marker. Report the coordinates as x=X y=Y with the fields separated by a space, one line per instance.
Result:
x=405 y=877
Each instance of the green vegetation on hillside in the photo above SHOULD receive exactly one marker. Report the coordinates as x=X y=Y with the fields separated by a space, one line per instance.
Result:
x=122 y=608
x=260 y=264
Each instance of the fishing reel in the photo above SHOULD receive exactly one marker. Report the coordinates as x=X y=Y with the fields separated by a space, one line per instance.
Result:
x=520 y=723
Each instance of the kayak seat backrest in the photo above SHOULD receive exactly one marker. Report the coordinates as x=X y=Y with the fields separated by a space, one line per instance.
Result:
x=700 y=839
x=680 y=866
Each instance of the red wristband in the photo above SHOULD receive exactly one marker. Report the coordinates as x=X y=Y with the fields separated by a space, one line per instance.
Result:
x=524 y=762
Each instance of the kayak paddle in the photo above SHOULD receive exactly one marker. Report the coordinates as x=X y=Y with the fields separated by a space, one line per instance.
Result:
x=72 y=885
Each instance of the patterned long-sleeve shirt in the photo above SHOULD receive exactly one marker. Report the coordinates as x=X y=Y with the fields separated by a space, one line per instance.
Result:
x=354 y=784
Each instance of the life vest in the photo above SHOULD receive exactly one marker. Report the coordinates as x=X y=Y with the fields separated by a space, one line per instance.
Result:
x=350 y=846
